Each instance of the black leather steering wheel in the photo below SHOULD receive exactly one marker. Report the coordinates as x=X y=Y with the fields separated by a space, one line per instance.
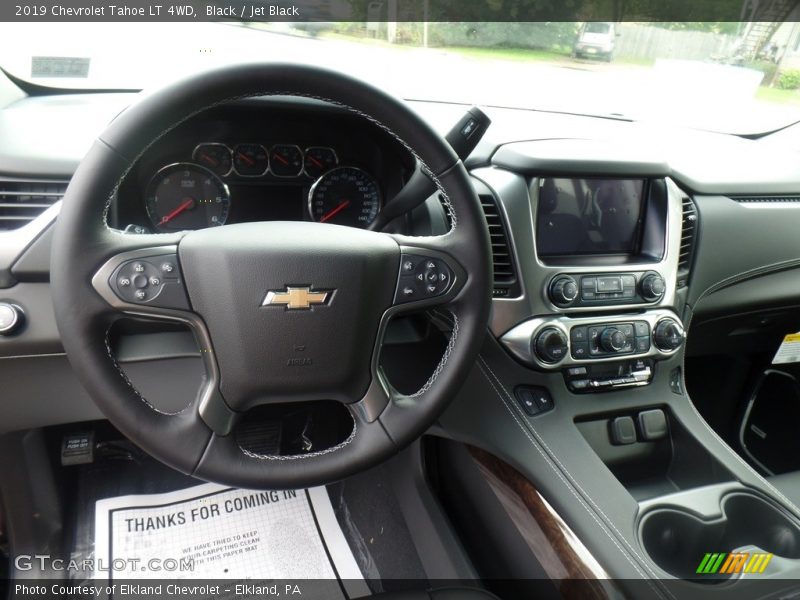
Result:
x=231 y=285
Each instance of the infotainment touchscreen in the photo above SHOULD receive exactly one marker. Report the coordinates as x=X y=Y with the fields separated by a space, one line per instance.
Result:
x=589 y=216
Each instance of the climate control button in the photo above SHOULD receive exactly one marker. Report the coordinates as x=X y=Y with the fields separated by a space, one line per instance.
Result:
x=612 y=340
x=668 y=335
x=551 y=345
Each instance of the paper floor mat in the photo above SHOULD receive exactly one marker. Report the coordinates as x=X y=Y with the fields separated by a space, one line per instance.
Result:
x=230 y=535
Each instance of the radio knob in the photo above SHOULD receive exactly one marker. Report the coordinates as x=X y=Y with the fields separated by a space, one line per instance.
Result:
x=551 y=345
x=668 y=335
x=612 y=339
x=563 y=290
x=653 y=287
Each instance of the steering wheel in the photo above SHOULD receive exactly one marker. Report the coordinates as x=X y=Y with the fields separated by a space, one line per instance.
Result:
x=282 y=312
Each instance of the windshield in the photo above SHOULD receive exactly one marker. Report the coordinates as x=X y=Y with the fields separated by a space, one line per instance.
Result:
x=701 y=75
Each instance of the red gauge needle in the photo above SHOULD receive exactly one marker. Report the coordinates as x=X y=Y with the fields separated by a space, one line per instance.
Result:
x=334 y=211
x=210 y=160
x=315 y=161
x=186 y=204
x=246 y=158
x=280 y=159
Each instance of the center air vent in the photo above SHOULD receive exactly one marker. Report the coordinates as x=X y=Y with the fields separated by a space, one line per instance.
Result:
x=506 y=283
x=21 y=201
x=688 y=238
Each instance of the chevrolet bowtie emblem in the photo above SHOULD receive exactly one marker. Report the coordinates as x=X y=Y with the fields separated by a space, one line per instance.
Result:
x=295 y=298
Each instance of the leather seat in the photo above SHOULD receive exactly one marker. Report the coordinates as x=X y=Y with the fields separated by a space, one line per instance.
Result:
x=440 y=594
x=788 y=484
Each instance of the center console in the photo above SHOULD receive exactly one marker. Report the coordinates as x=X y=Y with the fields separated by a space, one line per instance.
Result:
x=581 y=388
x=605 y=254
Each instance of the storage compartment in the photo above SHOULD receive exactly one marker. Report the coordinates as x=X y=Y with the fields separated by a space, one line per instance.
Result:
x=650 y=466
x=768 y=432
x=678 y=540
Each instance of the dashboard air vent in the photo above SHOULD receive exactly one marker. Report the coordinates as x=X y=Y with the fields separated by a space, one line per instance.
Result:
x=688 y=238
x=506 y=283
x=21 y=201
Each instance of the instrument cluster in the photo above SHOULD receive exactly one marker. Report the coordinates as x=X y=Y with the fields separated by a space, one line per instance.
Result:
x=256 y=160
x=251 y=181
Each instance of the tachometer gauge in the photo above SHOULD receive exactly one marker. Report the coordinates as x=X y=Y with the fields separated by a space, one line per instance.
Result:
x=345 y=196
x=213 y=156
x=285 y=160
x=186 y=196
x=318 y=160
x=250 y=160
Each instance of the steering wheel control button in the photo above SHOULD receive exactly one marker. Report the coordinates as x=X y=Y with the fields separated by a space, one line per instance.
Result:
x=623 y=431
x=422 y=277
x=534 y=400
x=10 y=318
x=146 y=281
x=551 y=345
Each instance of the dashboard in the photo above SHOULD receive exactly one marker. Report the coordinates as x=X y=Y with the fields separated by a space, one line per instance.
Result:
x=608 y=238
x=238 y=164
x=594 y=222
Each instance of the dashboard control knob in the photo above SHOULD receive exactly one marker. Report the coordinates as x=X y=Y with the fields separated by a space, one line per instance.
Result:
x=668 y=335
x=653 y=287
x=563 y=290
x=612 y=339
x=551 y=345
x=10 y=318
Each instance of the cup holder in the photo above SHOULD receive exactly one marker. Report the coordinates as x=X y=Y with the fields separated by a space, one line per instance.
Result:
x=677 y=540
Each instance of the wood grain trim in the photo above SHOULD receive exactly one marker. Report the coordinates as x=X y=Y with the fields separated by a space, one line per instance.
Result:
x=567 y=562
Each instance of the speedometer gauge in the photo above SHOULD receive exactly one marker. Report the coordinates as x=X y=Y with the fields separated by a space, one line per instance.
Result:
x=345 y=196
x=186 y=196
